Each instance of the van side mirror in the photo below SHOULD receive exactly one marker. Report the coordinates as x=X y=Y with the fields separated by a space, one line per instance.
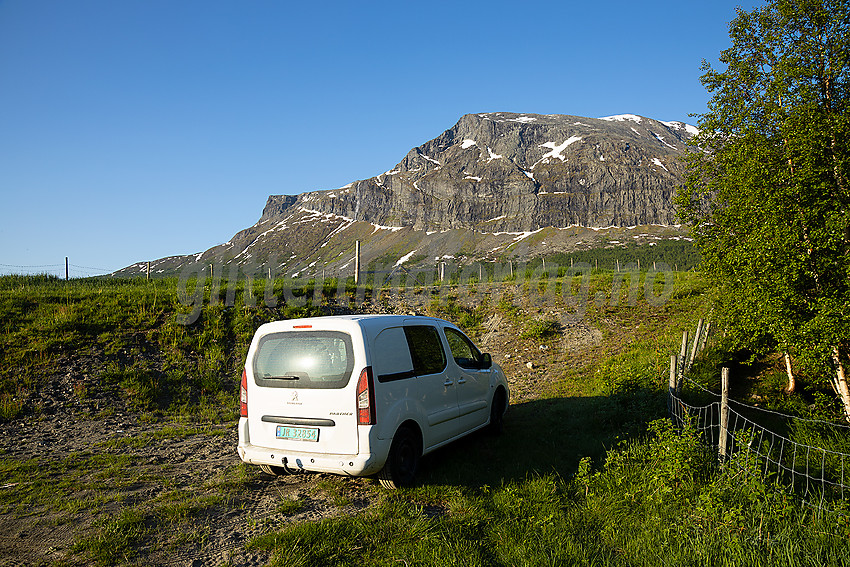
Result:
x=486 y=361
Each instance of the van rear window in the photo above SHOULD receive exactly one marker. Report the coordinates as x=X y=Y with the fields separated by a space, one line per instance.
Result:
x=304 y=359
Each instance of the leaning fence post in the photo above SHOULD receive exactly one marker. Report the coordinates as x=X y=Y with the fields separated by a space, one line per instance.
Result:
x=683 y=353
x=724 y=413
x=694 y=347
x=705 y=332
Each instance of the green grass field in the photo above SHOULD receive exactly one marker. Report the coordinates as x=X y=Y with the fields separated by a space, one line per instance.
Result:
x=588 y=472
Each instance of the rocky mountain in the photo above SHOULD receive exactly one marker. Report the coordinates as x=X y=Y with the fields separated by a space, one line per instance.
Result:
x=519 y=172
x=552 y=182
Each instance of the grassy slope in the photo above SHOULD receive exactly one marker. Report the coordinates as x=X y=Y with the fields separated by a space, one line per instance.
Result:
x=571 y=481
x=124 y=337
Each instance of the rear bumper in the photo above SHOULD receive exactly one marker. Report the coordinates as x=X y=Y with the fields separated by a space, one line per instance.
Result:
x=361 y=464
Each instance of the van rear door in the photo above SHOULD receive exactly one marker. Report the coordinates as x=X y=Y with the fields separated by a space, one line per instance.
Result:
x=301 y=392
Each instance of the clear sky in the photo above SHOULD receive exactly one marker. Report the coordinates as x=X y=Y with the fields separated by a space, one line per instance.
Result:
x=136 y=129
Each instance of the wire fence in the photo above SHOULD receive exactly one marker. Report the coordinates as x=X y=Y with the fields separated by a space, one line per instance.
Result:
x=811 y=458
x=58 y=270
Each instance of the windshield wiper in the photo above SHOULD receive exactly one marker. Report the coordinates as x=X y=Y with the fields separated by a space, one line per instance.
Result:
x=268 y=376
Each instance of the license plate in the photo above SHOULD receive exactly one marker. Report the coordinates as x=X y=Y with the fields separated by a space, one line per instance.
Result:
x=297 y=433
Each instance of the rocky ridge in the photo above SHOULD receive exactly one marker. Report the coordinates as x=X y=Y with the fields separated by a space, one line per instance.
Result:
x=519 y=172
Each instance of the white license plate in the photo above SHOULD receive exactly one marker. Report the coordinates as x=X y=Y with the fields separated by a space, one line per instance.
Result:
x=297 y=433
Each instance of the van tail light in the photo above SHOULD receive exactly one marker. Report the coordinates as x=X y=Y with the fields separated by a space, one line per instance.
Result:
x=365 y=398
x=243 y=395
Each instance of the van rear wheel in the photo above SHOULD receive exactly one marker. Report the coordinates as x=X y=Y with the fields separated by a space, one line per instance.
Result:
x=400 y=469
x=273 y=470
x=497 y=413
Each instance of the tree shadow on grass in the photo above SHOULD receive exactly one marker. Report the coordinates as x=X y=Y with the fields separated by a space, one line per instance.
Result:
x=548 y=436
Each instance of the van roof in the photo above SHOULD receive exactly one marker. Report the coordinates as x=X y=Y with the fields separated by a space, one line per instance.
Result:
x=364 y=320
x=364 y=316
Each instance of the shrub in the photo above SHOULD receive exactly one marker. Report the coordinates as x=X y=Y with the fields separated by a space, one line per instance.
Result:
x=542 y=329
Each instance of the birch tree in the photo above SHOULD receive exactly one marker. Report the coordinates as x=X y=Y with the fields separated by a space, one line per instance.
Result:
x=768 y=194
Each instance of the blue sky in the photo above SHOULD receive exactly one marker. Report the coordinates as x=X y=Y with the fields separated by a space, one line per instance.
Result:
x=136 y=129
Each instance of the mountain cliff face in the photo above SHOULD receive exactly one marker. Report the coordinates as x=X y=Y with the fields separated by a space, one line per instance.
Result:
x=553 y=183
x=520 y=172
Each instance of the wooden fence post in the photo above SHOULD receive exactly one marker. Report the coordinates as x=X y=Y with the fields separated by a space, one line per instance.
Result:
x=683 y=353
x=356 y=262
x=704 y=336
x=671 y=390
x=724 y=414
x=696 y=344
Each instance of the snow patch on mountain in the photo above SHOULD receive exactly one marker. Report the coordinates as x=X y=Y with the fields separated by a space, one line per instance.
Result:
x=405 y=258
x=558 y=149
x=623 y=118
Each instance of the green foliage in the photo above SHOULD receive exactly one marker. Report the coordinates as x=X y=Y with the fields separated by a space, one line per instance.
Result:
x=288 y=507
x=768 y=197
x=676 y=457
x=541 y=329
x=117 y=539
x=469 y=319
x=10 y=406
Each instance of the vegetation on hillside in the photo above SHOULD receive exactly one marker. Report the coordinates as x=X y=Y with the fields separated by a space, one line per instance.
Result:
x=769 y=196
x=126 y=336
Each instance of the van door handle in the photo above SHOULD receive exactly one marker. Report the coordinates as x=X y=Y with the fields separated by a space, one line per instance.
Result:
x=461 y=381
x=448 y=383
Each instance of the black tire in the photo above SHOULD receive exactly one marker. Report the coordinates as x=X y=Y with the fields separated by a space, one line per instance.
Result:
x=497 y=413
x=273 y=470
x=400 y=469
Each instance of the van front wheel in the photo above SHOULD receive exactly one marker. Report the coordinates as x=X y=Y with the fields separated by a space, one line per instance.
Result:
x=400 y=469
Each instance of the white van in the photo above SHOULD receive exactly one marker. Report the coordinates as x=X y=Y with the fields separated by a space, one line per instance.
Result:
x=363 y=394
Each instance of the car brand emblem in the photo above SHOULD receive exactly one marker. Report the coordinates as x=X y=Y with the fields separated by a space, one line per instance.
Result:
x=294 y=396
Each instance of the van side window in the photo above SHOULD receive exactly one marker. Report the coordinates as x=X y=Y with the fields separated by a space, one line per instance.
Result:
x=426 y=350
x=393 y=356
x=463 y=351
